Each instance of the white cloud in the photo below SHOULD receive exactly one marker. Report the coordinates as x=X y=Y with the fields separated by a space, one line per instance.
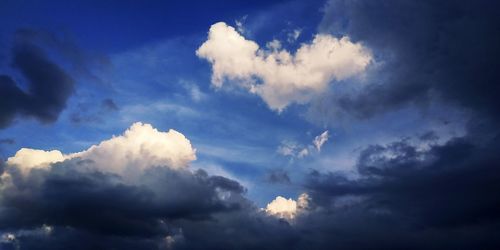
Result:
x=279 y=77
x=293 y=36
x=320 y=140
x=282 y=208
x=295 y=150
x=140 y=147
x=288 y=208
x=27 y=159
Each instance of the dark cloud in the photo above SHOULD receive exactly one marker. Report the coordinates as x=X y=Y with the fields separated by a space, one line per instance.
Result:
x=427 y=52
x=109 y=104
x=278 y=176
x=443 y=196
x=94 y=205
x=48 y=86
x=67 y=48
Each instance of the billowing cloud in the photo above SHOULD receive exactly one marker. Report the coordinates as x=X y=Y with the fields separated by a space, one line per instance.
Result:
x=276 y=75
x=288 y=209
x=26 y=158
x=140 y=147
x=282 y=207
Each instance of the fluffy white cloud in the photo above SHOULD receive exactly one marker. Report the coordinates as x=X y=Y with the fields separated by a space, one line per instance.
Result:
x=282 y=208
x=288 y=208
x=27 y=159
x=320 y=140
x=279 y=77
x=140 y=147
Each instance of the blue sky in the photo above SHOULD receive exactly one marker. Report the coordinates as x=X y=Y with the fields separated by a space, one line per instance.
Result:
x=143 y=58
x=388 y=88
x=153 y=75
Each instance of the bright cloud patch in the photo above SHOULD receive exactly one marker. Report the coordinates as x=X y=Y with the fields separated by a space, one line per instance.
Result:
x=276 y=75
x=27 y=158
x=288 y=208
x=140 y=147
x=282 y=207
x=320 y=140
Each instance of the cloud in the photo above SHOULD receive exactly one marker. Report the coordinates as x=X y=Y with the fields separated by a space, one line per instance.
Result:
x=278 y=176
x=426 y=54
x=282 y=208
x=279 y=77
x=26 y=159
x=288 y=208
x=48 y=85
x=87 y=200
x=416 y=193
x=129 y=155
x=294 y=150
x=320 y=140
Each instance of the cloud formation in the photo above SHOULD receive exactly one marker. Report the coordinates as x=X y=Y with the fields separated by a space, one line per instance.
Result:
x=129 y=155
x=295 y=150
x=427 y=53
x=48 y=85
x=276 y=75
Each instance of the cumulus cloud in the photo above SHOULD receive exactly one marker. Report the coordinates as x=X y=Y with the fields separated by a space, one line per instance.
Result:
x=27 y=158
x=282 y=207
x=140 y=147
x=288 y=209
x=78 y=201
x=279 y=77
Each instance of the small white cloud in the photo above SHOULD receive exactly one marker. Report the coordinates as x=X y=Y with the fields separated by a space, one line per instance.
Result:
x=279 y=77
x=274 y=45
x=282 y=208
x=239 y=24
x=303 y=153
x=294 y=35
x=288 y=208
x=193 y=90
x=320 y=140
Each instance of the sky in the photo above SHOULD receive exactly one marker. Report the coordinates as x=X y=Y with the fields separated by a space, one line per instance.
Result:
x=297 y=124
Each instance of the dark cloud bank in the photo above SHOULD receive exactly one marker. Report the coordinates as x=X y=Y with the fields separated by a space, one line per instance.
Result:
x=408 y=196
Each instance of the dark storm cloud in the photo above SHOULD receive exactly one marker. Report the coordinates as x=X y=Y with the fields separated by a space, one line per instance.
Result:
x=429 y=51
x=429 y=195
x=93 y=205
x=48 y=86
